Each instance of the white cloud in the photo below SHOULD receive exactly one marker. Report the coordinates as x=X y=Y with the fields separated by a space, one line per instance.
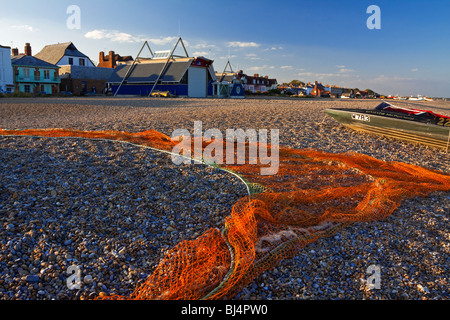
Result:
x=316 y=75
x=257 y=68
x=261 y=68
x=382 y=79
x=117 y=36
x=125 y=37
x=273 y=48
x=252 y=56
x=113 y=35
x=342 y=73
x=226 y=57
x=345 y=70
x=25 y=27
x=202 y=45
x=239 y=44
x=96 y=34
x=285 y=67
x=415 y=69
x=200 y=53
x=165 y=40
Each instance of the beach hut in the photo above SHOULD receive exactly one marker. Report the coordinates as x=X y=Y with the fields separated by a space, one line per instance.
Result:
x=164 y=72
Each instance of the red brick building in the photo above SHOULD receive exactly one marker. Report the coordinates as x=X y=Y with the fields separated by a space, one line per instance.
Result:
x=257 y=83
x=112 y=59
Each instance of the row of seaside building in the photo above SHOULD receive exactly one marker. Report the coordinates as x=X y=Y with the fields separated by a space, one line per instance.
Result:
x=62 y=68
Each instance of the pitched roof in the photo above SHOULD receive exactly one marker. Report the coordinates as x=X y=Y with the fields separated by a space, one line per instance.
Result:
x=148 y=72
x=30 y=61
x=263 y=80
x=81 y=72
x=54 y=52
x=225 y=77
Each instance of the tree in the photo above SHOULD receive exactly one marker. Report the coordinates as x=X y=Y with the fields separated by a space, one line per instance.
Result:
x=371 y=92
x=297 y=83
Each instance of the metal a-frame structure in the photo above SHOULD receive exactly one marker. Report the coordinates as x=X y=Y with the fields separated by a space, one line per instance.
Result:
x=170 y=58
x=225 y=70
x=233 y=89
x=133 y=64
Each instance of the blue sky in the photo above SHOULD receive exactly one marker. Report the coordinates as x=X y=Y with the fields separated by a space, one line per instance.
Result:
x=327 y=40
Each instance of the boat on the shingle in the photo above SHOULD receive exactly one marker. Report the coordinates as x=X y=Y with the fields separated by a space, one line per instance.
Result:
x=413 y=125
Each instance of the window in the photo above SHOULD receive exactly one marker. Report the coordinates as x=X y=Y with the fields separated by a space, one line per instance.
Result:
x=161 y=54
x=71 y=61
x=47 y=74
x=26 y=73
x=27 y=88
x=82 y=62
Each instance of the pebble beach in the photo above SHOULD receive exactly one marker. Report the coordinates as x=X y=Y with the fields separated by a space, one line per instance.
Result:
x=113 y=209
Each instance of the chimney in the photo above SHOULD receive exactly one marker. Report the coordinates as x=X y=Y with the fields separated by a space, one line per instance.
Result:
x=256 y=75
x=27 y=49
x=112 y=59
x=15 y=52
x=101 y=57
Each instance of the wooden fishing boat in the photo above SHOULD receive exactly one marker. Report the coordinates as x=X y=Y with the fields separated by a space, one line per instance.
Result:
x=412 y=125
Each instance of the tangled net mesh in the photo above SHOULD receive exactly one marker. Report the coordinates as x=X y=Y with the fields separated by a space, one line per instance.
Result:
x=314 y=194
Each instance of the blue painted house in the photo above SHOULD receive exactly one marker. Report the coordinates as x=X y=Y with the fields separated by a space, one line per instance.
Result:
x=33 y=75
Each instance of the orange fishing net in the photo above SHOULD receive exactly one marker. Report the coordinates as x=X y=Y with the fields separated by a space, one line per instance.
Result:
x=313 y=195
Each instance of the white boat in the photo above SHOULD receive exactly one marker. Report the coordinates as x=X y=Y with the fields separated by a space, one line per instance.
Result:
x=418 y=98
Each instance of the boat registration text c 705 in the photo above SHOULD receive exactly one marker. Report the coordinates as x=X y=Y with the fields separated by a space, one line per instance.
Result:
x=360 y=117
